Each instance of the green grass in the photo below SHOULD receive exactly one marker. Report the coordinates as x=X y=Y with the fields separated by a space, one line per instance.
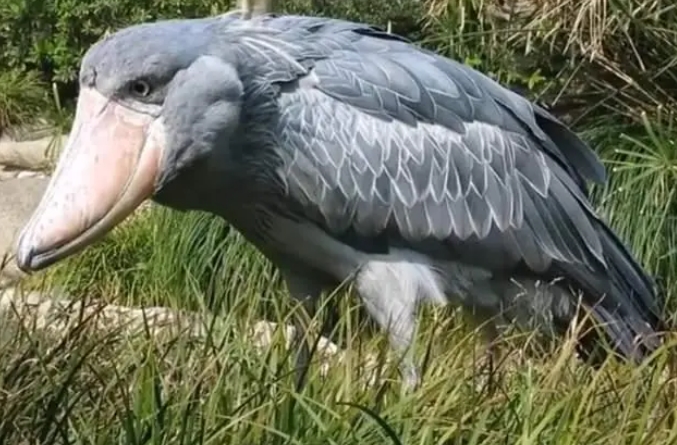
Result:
x=104 y=389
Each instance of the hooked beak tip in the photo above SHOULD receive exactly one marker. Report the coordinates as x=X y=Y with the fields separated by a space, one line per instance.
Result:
x=24 y=260
x=27 y=259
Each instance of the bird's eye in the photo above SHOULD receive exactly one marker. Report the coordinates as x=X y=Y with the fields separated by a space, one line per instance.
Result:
x=140 y=88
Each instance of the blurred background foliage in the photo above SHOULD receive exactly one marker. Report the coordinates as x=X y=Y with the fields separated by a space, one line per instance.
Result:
x=606 y=67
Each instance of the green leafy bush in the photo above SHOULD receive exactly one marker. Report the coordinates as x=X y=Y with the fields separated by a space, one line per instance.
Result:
x=51 y=36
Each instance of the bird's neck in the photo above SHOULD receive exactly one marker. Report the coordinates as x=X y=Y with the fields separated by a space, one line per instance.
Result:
x=196 y=188
x=223 y=188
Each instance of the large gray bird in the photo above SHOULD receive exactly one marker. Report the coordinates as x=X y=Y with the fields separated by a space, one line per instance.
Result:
x=341 y=151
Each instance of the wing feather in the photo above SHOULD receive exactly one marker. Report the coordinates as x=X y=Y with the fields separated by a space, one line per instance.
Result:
x=430 y=182
x=376 y=136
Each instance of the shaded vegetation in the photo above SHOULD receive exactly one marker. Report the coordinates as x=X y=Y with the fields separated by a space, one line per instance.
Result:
x=22 y=98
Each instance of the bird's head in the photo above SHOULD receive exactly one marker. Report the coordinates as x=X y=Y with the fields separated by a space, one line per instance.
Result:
x=152 y=103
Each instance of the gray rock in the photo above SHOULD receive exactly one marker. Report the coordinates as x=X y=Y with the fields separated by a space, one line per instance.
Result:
x=18 y=199
x=30 y=155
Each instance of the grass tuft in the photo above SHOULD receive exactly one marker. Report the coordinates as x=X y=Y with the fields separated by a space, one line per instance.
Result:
x=22 y=98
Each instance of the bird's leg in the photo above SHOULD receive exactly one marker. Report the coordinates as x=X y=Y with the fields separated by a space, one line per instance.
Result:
x=483 y=322
x=491 y=354
x=307 y=292
x=394 y=309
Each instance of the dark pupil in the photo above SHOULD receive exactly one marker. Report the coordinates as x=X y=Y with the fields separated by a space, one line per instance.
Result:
x=140 y=88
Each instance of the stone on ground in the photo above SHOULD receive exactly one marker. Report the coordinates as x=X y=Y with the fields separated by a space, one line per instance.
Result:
x=18 y=198
x=29 y=154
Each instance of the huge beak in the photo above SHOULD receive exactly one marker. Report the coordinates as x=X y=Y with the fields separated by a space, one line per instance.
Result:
x=107 y=169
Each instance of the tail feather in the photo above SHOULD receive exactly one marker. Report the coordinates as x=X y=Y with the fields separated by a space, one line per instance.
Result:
x=633 y=279
x=624 y=300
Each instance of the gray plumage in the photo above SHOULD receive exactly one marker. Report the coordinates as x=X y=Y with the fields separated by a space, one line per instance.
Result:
x=343 y=152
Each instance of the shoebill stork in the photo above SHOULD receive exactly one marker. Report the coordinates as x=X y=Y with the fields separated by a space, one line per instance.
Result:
x=344 y=152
